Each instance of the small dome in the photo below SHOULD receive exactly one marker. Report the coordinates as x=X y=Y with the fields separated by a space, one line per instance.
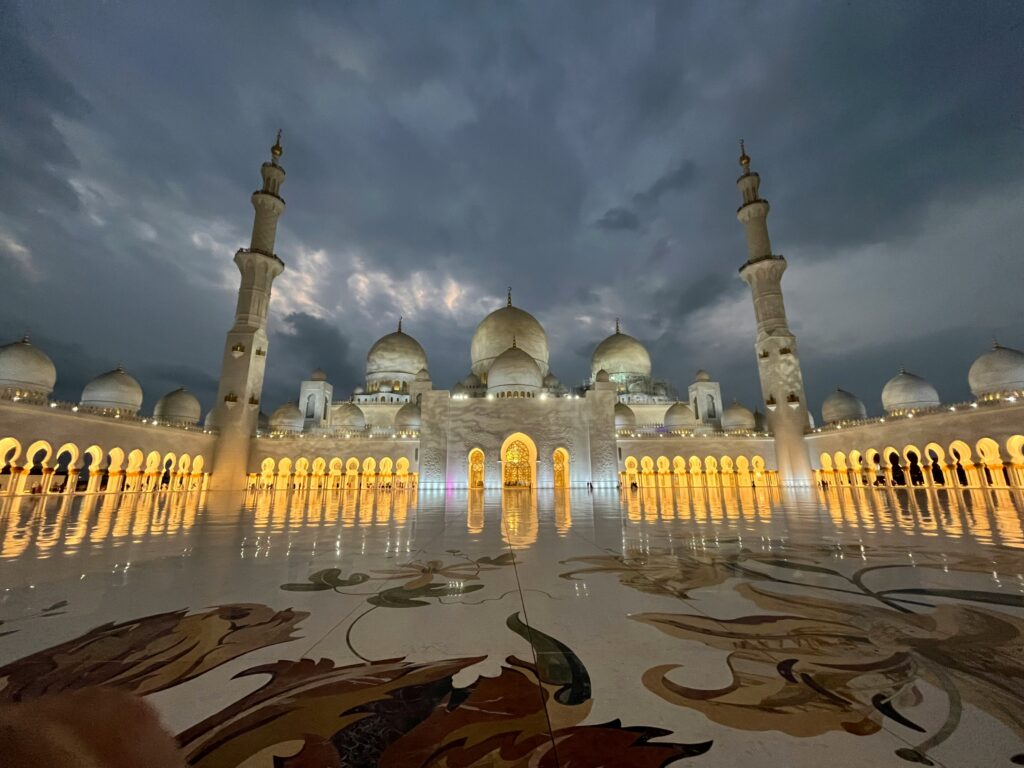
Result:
x=999 y=371
x=551 y=381
x=679 y=416
x=842 y=406
x=460 y=389
x=178 y=407
x=495 y=334
x=114 y=390
x=408 y=416
x=26 y=368
x=471 y=381
x=287 y=418
x=514 y=371
x=318 y=375
x=422 y=375
x=906 y=391
x=602 y=376
x=210 y=422
x=395 y=356
x=637 y=388
x=737 y=418
x=359 y=391
x=702 y=375
x=347 y=416
x=620 y=353
x=624 y=416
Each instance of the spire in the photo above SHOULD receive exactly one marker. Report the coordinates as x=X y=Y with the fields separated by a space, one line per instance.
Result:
x=399 y=323
x=744 y=158
x=277 y=150
x=509 y=304
x=617 y=326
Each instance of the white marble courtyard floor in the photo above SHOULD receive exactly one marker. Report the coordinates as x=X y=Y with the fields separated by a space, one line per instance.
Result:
x=849 y=627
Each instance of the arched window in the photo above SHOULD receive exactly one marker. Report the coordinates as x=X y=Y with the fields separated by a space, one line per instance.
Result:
x=311 y=406
x=711 y=407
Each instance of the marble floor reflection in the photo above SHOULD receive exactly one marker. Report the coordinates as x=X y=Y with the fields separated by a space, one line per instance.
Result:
x=718 y=626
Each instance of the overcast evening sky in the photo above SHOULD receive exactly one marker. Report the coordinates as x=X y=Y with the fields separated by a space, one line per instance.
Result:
x=583 y=153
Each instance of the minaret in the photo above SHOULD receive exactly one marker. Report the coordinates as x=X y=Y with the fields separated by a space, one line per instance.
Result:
x=778 y=361
x=245 y=351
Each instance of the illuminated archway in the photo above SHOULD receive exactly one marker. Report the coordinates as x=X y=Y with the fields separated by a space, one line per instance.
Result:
x=560 y=462
x=476 y=468
x=518 y=461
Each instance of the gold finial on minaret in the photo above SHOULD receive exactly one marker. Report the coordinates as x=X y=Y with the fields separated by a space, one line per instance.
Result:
x=399 y=323
x=509 y=304
x=617 y=325
x=277 y=150
x=744 y=157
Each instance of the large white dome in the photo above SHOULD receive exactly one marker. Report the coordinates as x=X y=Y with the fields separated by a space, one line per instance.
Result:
x=842 y=406
x=997 y=372
x=624 y=416
x=26 y=368
x=397 y=356
x=907 y=391
x=114 y=390
x=347 y=416
x=737 y=418
x=178 y=407
x=679 y=416
x=496 y=332
x=408 y=416
x=514 y=371
x=287 y=418
x=620 y=353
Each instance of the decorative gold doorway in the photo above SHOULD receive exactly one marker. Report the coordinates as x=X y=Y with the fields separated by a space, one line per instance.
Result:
x=560 y=460
x=476 y=468
x=517 y=468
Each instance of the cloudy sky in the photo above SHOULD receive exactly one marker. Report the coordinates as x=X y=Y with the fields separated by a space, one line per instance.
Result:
x=583 y=153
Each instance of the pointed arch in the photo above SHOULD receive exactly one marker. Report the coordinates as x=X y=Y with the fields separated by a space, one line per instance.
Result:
x=475 y=464
x=518 y=461
x=560 y=468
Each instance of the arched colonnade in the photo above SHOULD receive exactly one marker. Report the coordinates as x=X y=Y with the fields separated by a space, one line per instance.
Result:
x=41 y=468
x=335 y=473
x=986 y=464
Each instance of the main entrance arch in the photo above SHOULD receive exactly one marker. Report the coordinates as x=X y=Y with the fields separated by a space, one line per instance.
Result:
x=518 y=461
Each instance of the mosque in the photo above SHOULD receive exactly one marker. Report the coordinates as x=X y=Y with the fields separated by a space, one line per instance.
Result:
x=510 y=422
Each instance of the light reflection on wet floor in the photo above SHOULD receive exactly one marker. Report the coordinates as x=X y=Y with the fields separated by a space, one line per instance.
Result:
x=154 y=524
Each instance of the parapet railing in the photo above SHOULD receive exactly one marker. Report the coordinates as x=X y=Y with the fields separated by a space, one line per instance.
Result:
x=369 y=433
x=110 y=413
x=659 y=430
x=912 y=413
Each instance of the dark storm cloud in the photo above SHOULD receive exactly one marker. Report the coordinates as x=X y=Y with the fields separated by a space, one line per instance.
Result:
x=622 y=217
x=439 y=152
x=303 y=344
x=619 y=218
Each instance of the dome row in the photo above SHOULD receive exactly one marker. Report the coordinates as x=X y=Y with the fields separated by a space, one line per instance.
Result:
x=735 y=417
x=997 y=373
x=27 y=372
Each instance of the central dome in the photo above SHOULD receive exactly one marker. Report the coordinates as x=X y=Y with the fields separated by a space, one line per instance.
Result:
x=514 y=371
x=496 y=332
x=620 y=353
x=395 y=357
